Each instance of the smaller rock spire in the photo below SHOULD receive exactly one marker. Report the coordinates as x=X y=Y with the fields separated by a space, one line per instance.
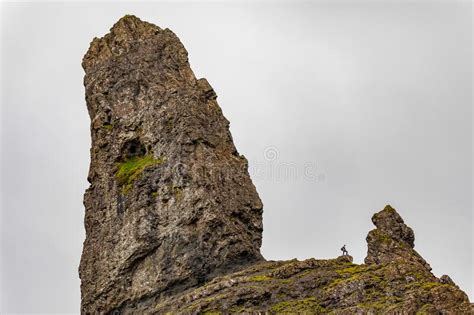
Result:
x=391 y=240
x=391 y=223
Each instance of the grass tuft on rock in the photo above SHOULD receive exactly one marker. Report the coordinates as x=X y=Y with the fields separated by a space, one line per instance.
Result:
x=259 y=278
x=129 y=170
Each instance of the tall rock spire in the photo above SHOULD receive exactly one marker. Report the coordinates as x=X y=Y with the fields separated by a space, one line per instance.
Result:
x=170 y=201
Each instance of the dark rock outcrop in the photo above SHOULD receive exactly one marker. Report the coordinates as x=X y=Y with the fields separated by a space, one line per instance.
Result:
x=171 y=203
x=391 y=240
x=174 y=223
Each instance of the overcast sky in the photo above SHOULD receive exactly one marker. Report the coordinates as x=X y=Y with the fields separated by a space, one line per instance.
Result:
x=340 y=108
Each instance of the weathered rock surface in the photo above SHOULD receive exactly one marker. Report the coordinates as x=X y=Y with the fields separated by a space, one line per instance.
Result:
x=174 y=223
x=392 y=240
x=170 y=203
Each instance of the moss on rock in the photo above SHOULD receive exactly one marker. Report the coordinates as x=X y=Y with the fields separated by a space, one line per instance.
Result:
x=129 y=170
x=259 y=278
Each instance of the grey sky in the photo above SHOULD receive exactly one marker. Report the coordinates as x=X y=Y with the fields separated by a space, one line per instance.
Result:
x=374 y=99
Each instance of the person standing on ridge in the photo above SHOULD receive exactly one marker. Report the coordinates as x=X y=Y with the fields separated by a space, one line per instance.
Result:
x=344 y=251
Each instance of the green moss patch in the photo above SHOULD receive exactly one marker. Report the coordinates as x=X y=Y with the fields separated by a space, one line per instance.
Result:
x=129 y=170
x=353 y=269
x=381 y=302
x=356 y=269
x=431 y=285
x=107 y=126
x=427 y=286
x=259 y=278
x=425 y=309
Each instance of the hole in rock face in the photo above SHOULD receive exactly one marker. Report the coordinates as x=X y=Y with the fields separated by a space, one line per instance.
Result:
x=133 y=148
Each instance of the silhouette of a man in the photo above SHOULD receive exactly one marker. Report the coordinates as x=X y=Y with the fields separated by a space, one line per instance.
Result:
x=344 y=251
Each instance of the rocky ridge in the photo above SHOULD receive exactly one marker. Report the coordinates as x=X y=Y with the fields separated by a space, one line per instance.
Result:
x=174 y=223
x=391 y=282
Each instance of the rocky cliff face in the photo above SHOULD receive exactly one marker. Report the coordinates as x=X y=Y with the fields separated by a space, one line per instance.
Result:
x=170 y=202
x=174 y=223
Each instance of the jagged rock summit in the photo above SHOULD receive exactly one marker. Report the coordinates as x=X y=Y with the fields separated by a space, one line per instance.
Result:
x=174 y=223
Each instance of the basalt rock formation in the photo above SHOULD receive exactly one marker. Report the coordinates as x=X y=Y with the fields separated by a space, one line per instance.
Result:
x=170 y=202
x=174 y=223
